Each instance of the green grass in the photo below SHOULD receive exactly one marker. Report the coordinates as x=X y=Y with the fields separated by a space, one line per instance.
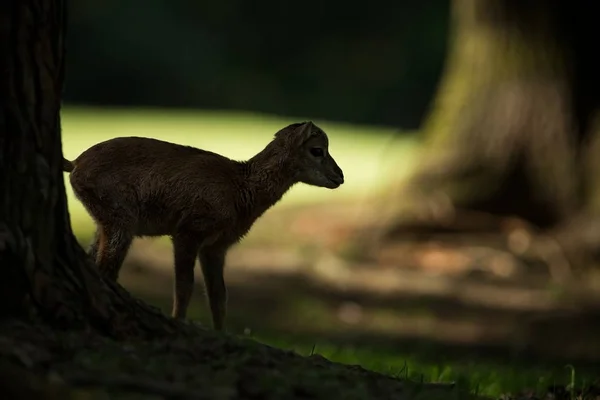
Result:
x=363 y=152
x=483 y=377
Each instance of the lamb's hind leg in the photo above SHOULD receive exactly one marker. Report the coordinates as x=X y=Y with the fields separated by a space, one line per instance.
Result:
x=185 y=250
x=93 y=249
x=212 y=262
x=113 y=244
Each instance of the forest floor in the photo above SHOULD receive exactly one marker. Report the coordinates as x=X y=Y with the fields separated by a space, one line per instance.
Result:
x=433 y=310
x=37 y=362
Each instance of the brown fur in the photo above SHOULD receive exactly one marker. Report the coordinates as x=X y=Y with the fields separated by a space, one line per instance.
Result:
x=135 y=186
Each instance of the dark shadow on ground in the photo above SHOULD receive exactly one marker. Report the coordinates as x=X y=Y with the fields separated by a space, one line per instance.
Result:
x=438 y=330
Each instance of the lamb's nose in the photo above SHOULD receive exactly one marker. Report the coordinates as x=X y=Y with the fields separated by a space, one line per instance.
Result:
x=340 y=176
x=339 y=179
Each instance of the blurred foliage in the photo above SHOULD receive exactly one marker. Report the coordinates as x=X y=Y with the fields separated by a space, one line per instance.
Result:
x=375 y=62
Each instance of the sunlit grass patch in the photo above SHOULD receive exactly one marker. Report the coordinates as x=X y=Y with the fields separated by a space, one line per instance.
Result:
x=486 y=378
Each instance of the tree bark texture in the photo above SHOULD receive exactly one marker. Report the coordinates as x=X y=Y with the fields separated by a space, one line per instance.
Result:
x=514 y=123
x=44 y=272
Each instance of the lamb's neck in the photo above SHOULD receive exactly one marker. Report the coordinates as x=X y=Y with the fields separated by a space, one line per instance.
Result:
x=268 y=177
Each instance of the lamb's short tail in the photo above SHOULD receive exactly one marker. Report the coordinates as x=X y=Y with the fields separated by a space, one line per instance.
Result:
x=67 y=165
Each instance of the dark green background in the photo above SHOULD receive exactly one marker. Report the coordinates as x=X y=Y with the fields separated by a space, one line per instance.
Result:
x=370 y=62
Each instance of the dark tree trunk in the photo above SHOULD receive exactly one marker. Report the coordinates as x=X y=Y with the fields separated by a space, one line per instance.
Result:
x=45 y=273
x=515 y=119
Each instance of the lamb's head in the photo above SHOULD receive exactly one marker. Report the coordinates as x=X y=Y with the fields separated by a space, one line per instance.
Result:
x=308 y=149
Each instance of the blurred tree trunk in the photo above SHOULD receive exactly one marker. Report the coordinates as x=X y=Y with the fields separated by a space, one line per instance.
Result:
x=45 y=273
x=513 y=130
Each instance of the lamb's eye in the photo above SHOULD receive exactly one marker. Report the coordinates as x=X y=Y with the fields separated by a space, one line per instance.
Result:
x=317 y=152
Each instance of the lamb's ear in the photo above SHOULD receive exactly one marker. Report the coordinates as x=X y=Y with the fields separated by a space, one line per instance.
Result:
x=305 y=132
x=290 y=130
x=296 y=134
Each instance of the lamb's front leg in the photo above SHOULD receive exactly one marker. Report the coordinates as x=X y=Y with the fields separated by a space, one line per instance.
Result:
x=212 y=261
x=185 y=250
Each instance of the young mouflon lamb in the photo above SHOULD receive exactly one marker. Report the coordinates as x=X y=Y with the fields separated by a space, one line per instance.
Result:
x=134 y=186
